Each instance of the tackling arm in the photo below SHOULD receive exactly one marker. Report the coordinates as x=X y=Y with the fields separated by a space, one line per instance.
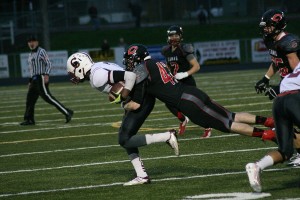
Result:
x=129 y=78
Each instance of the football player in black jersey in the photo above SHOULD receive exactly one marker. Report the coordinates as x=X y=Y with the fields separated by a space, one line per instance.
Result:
x=284 y=49
x=183 y=64
x=191 y=101
x=286 y=112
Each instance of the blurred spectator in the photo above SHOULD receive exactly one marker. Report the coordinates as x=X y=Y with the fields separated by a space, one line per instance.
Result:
x=202 y=15
x=136 y=11
x=122 y=42
x=105 y=47
x=93 y=12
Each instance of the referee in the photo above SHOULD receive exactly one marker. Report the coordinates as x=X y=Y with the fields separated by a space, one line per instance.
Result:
x=40 y=67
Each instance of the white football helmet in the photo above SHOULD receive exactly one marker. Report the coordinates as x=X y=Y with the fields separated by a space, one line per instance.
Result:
x=78 y=65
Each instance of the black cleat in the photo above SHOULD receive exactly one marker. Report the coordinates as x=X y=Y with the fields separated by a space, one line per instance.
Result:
x=27 y=122
x=69 y=116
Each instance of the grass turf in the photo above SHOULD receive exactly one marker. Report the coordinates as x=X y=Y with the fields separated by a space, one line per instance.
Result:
x=82 y=159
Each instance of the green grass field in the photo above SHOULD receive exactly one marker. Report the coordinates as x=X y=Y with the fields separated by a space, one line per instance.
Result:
x=82 y=159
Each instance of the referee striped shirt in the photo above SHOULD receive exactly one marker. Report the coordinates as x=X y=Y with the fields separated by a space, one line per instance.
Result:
x=39 y=62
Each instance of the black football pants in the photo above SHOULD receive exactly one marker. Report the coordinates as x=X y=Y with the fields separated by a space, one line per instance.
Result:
x=286 y=113
x=132 y=122
x=203 y=111
x=39 y=88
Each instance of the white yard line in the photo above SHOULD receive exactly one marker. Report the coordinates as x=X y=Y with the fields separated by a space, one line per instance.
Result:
x=100 y=146
x=120 y=183
x=122 y=161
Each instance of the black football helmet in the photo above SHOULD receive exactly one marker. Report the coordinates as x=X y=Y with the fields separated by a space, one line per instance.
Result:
x=275 y=18
x=172 y=31
x=134 y=55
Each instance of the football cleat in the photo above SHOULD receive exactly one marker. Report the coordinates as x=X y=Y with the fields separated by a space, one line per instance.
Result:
x=253 y=172
x=207 y=133
x=138 y=181
x=69 y=115
x=269 y=122
x=295 y=160
x=269 y=135
x=172 y=142
x=182 y=125
x=27 y=123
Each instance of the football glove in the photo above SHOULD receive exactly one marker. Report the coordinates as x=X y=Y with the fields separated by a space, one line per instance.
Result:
x=272 y=92
x=181 y=75
x=262 y=85
x=118 y=98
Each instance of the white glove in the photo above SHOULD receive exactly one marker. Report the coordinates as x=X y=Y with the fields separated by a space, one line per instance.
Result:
x=181 y=75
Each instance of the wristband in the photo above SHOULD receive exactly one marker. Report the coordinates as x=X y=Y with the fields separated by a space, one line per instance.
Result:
x=267 y=77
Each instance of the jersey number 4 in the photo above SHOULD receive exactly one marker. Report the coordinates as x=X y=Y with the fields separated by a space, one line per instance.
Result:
x=165 y=74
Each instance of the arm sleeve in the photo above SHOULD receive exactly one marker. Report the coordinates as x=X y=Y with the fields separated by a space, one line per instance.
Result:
x=117 y=76
x=128 y=77
x=46 y=59
x=188 y=50
x=290 y=44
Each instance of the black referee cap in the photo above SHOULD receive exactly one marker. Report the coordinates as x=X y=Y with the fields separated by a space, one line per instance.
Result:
x=32 y=38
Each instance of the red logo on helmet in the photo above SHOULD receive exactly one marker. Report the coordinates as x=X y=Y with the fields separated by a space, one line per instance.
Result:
x=132 y=50
x=276 y=17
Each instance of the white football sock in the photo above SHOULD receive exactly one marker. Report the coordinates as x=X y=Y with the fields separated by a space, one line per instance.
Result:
x=139 y=167
x=157 y=137
x=265 y=162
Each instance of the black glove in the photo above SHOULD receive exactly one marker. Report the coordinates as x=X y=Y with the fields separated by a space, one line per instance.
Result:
x=272 y=92
x=262 y=85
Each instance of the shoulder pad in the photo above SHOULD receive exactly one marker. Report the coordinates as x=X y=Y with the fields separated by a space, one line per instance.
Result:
x=141 y=73
x=188 y=48
x=164 y=49
x=289 y=43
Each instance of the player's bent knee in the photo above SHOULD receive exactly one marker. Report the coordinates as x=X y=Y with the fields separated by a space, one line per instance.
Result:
x=286 y=155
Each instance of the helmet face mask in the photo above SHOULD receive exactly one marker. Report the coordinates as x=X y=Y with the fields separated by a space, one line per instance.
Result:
x=134 y=55
x=272 y=23
x=78 y=65
x=174 y=34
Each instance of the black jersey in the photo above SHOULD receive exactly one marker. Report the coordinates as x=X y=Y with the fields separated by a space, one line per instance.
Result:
x=162 y=84
x=177 y=59
x=191 y=101
x=279 y=49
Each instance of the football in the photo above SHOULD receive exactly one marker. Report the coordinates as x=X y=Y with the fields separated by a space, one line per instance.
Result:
x=116 y=89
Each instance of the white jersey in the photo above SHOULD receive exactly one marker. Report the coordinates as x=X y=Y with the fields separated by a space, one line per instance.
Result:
x=291 y=81
x=101 y=77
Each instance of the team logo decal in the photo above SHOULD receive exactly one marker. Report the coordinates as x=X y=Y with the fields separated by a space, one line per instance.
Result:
x=75 y=63
x=132 y=50
x=294 y=44
x=276 y=17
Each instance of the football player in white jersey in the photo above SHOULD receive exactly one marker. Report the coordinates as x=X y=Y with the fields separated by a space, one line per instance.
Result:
x=102 y=75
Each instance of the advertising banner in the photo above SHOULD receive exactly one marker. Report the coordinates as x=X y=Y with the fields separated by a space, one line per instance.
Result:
x=218 y=52
x=114 y=55
x=259 y=51
x=58 y=60
x=4 y=70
